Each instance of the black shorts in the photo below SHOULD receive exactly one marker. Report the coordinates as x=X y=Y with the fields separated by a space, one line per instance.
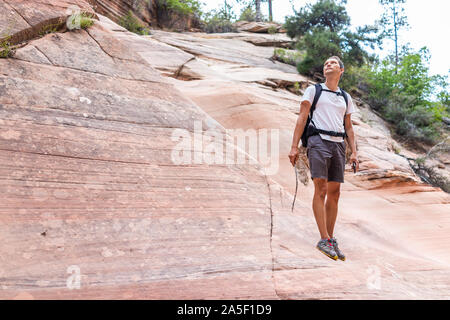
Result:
x=326 y=159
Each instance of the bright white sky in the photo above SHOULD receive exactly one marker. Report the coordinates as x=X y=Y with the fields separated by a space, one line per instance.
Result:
x=429 y=23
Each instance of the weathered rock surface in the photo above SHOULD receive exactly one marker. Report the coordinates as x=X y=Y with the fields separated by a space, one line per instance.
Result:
x=223 y=50
x=88 y=181
x=24 y=20
x=258 y=39
x=256 y=27
x=90 y=187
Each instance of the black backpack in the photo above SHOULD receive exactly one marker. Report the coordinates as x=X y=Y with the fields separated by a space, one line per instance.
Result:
x=312 y=130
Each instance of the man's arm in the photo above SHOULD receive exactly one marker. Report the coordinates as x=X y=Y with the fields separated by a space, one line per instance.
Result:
x=351 y=139
x=305 y=106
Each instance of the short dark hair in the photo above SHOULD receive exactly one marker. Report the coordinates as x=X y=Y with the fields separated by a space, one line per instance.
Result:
x=341 y=64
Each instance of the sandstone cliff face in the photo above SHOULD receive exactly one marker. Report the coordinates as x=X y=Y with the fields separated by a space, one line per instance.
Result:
x=146 y=10
x=89 y=186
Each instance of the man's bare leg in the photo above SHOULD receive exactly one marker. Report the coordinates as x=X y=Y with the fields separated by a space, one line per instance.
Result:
x=331 y=205
x=320 y=192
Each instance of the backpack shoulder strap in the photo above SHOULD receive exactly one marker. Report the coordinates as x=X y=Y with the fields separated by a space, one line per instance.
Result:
x=345 y=95
x=316 y=98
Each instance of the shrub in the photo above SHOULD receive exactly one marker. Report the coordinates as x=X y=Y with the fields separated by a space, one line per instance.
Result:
x=292 y=57
x=131 y=23
x=218 y=22
x=408 y=97
x=295 y=88
x=248 y=14
x=86 y=21
x=355 y=79
x=52 y=28
x=6 y=50
x=80 y=21
x=430 y=175
x=179 y=15
x=415 y=122
x=272 y=30
x=184 y=7
x=217 y=25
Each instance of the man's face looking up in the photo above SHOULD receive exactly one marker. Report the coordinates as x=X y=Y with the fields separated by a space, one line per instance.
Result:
x=331 y=67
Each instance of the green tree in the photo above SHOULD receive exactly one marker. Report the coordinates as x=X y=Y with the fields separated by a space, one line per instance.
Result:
x=133 y=24
x=226 y=12
x=392 y=20
x=323 y=30
x=228 y=6
x=258 y=10
x=325 y=14
x=219 y=20
x=410 y=77
x=408 y=96
x=247 y=14
x=181 y=6
x=270 y=10
x=257 y=4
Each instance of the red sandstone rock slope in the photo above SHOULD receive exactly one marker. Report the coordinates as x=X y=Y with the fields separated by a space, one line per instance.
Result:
x=116 y=9
x=89 y=188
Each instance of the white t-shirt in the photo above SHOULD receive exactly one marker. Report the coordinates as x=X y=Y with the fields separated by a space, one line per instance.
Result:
x=330 y=111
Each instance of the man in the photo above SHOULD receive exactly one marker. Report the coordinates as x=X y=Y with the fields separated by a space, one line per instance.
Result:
x=326 y=153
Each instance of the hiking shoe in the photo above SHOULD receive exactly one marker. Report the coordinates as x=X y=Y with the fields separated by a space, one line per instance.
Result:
x=340 y=255
x=326 y=247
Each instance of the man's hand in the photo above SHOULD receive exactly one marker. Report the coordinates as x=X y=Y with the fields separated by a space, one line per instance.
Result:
x=354 y=158
x=293 y=155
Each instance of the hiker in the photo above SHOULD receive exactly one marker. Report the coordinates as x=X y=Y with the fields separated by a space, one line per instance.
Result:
x=324 y=139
